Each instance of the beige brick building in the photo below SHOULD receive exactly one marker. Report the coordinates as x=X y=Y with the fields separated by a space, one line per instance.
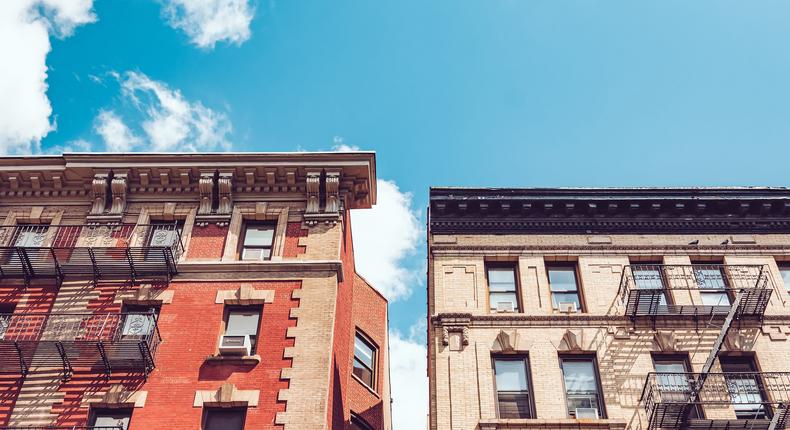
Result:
x=609 y=308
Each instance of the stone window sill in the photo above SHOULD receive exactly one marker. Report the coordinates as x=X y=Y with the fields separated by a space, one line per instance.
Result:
x=247 y=360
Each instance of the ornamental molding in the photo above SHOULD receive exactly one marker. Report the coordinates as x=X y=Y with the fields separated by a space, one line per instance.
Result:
x=585 y=320
x=118 y=189
x=100 y=187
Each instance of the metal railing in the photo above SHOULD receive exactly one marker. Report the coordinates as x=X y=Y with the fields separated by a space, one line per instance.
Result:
x=668 y=397
x=98 y=251
x=108 y=340
x=694 y=289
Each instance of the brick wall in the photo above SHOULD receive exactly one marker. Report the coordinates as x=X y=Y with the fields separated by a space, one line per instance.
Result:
x=207 y=242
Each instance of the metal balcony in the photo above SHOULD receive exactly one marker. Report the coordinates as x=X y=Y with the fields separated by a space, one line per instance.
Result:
x=106 y=341
x=745 y=400
x=121 y=252
x=695 y=290
x=64 y=428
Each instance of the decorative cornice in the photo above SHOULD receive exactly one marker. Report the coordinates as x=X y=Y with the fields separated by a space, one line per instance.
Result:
x=604 y=210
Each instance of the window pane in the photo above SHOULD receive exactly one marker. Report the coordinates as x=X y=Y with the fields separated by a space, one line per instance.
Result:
x=715 y=298
x=511 y=375
x=218 y=419
x=363 y=352
x=495 y=298
x=107 y=418
x=502 y=279
x=31 y=236
x=557 y=298
x=243 y=322
x=362 y=372
x=138 y=324
x=581 y=387
x=710 y=278
x=785 y=271
x=562 y=279
x=259 y=236
x=648 y=278
x=163 y=235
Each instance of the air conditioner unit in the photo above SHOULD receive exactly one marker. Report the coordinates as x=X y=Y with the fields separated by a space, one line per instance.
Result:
x=587 y=413
x=568 y=307
x=505 y=307
x=232 y=344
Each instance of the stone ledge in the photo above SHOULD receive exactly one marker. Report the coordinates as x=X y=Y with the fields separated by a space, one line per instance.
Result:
x=551 y=424
x=245 y=360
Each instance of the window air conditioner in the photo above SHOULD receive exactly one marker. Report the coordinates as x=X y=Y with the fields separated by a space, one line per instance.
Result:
x=231 y=344
x=505 y=307
x=568 y=307
x=587 y=413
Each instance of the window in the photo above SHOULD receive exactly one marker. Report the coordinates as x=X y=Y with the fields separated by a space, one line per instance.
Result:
x=139 y=321
x=6 y=310
x=364 y=360
x=111 y=418
x=502 y=289
x=650 y=277
x=224 y=418
x=712 y=282
x=784 y=270
x=513 y=387
x=582 y=389
x=257 y=242
x=241 y=321
x=357 y=423
x=745 y=387
x=674 y=381
x=164 y=233
x=30 y=235
x=564 y=286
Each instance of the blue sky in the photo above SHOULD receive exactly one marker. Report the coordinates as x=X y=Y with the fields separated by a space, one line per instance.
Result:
x=448 y=92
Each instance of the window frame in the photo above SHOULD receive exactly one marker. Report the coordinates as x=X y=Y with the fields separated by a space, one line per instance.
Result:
x=243 y=238
x=243 y=308
x=96 y=412
x=524 y=359
x=141 y=310
x=579 y=293
x=665 y=286
x=751 y=361
x=599 y=388
x=682 y=358
x=517 y=285
x=784 y=266
x=208 y=410
x=20 y=230
x=359 y=334
x=725 y=278
x=360 y=422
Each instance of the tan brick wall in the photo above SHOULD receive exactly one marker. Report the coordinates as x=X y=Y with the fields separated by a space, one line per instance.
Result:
x=462 y=382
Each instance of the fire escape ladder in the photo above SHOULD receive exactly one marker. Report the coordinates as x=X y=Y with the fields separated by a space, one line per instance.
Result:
x=22 y=365
x=68 y=371
x=104 y=359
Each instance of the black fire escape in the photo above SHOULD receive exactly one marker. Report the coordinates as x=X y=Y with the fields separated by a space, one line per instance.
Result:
x=718 y=296
x=115 y=253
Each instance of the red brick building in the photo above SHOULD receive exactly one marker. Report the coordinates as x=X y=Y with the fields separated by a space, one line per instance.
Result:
x=186 y=291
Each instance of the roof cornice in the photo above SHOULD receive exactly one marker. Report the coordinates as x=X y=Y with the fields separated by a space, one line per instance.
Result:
x=609 y=210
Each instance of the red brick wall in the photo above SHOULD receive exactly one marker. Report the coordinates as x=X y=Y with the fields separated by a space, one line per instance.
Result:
x=370 y=316
x=358 y=305
x=207 y=242
x=38 y=299
x=190 y=327
x=292 y=234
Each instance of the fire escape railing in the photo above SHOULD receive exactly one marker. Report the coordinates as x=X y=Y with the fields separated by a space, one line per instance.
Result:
x=758 y=399
x=126 y=252
x=109 y=341
x=694 y=290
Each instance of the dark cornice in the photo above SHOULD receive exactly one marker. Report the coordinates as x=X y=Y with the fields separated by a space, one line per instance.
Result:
x=609 y=210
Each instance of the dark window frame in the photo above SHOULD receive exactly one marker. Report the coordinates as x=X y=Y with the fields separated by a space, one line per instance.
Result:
x=243 y=308
x=208 y=410
x=751 y=361
x=139 y=309
x=524 y=358
x=373 y=371
x=95 y=413
x=599 y=388
x=662 y=273
x=725 y=277
x=19 y=230
x=243 y=238
x=683 y=358
x=500 y=265
x=357 y=420
x=573 y=265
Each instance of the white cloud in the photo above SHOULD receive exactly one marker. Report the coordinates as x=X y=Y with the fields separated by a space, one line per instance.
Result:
x=207 y=22
x=25 y=27
x=383 y=237
x=409 y=382
x=168 y=121
x=116 y=135
x=345 y=148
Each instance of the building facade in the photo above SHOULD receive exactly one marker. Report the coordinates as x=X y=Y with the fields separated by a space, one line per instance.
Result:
x=184 y=291
x=609 y=308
